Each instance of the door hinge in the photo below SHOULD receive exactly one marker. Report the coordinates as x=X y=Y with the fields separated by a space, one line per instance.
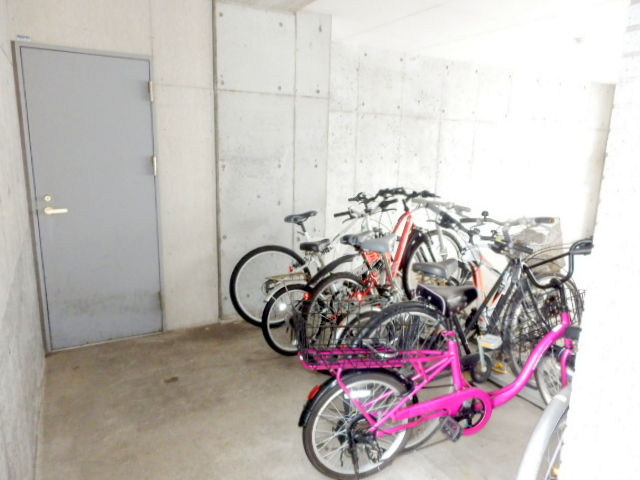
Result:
x=150 y=91
x=154 y=164
x=161 y=300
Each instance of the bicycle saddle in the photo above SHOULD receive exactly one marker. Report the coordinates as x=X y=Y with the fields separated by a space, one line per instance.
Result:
x=317 y=246
x=442 y=269
x=448 y=300
x=300 y=217
x=381 y=244
x=355 y=239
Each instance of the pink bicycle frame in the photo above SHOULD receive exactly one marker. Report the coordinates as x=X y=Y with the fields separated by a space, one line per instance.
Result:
x=450 y=404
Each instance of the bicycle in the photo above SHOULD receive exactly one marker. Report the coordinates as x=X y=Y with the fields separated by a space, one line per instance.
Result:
x=329 y=296
x=514 y=314
x=541 y=458
x=341 y=297
x=260 y=273
x=356 y=423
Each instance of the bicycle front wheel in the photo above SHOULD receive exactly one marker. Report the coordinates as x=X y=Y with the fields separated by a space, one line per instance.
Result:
x=260 y=273
x=282 y=317
x=548 y=374
x=529 y=317
x=336 y=437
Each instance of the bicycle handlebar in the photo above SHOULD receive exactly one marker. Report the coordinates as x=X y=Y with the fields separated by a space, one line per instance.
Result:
x=522 y=221
x=581 y=247
x=342 y=214
x=500 y=245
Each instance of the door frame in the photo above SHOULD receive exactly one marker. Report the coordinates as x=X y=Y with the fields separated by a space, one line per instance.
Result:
x=28 y=165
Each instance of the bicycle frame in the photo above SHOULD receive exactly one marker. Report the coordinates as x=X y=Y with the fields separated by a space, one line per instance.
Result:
x=405 y=222
x=450 y=404
x=296 y=273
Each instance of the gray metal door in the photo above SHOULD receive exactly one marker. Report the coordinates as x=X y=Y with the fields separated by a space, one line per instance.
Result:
x=89 y=132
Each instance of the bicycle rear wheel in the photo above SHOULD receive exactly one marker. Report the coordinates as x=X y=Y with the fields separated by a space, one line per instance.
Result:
x=429 y=249
x=260 y=273
x=411 y=326
x=336 y=437
x=281 y=318
x=331 y=303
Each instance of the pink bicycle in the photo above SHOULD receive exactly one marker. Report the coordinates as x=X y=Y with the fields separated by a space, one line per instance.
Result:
x=360 y=419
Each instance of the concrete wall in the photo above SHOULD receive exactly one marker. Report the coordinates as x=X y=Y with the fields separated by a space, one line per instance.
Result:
x=21 y=354
x=179 y=37
x=509 y=142
x=605 y=384
x=272 y=111
x=304 y=124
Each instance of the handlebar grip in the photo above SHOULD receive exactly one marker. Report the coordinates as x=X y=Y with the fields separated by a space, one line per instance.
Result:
x=460 y=208
x=522 y=248
x=582 y=247
x=544 y=220
x=427 y=193
x=469 y=220
x=341 y=214
x=385 y=203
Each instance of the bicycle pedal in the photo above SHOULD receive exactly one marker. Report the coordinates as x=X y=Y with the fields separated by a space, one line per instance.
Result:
x=500 y=368
x=451 y=429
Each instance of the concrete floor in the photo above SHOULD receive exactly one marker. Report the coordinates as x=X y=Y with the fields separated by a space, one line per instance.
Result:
x=217 y=403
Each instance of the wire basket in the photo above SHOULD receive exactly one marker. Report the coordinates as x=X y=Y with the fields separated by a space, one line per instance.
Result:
x=532 y=319
x=356 y=339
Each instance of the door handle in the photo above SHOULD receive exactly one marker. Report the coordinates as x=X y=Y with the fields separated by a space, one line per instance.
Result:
x=54 y=211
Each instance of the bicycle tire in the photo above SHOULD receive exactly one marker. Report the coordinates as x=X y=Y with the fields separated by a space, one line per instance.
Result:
x=250 y=285
x=281 y=317
x=333 y=419
x=329 y=302
x=424 y=249
x=541 y=458
x=523 y=328
x=412 y=325
x=548 y=375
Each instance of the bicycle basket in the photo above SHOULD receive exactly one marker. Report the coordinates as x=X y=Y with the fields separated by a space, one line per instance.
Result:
x=535 y=317
x=348 y=340
x=546 y=241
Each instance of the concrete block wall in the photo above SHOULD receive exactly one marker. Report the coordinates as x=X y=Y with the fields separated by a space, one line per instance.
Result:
x=605 y=384
x=21 y=353
x=179 y=38
x=272 y=82
x=510 y=142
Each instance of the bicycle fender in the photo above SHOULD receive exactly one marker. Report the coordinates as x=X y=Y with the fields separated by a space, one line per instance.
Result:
x=416 y=236
x=306 y=411
x=328 y=268
x=331 y=382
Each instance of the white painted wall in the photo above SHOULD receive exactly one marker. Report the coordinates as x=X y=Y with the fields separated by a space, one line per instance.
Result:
x=179 y=37
x=21 y=354
x=602 y=430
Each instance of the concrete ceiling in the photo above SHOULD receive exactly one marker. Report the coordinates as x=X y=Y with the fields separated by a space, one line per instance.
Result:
x=581 y=37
